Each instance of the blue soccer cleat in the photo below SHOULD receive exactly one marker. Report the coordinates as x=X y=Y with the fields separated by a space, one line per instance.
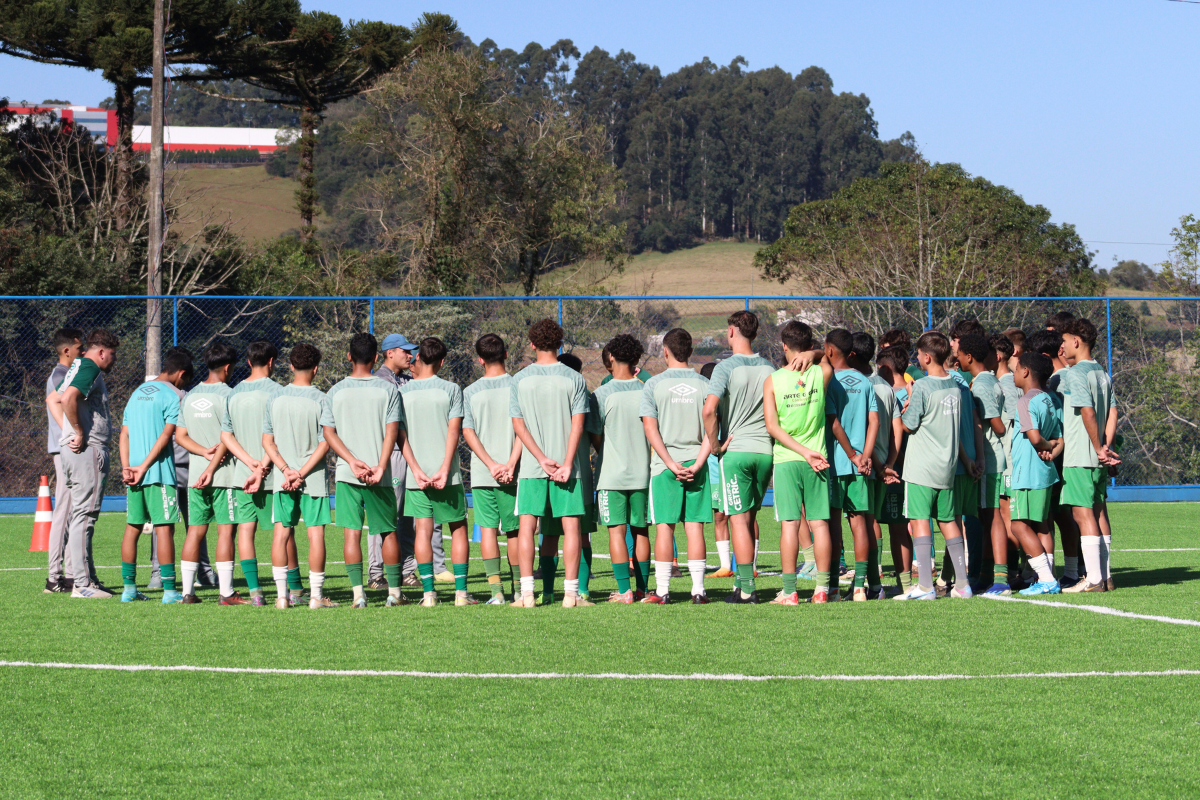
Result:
x=1042 y=587
x=172 y=596
x=917 y=593
x=131 y=594
x=999 y=590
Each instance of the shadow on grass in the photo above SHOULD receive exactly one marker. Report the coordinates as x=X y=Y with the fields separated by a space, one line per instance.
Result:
x=1167 y=576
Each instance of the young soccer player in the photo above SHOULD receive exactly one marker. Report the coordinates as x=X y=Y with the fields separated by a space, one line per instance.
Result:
x=898 y=337
x=1088 y=396
x=210 y=497
x=68 y=346
x=720 y=524
x=495 y=457
x=434 y=495
x=549 y=405
x=622 y=487
x=364 y=423
x=587 y=522
x=1035 y=443
x=86 y=430
x=148 y=470
x=932 y=418
x=890 y=365
x=887 y=446
x=295 y=442
x=1049 y=343
x=794 y=411
x=969 y=471
x=1017 y=337
x=854 y=410
x=734 y=405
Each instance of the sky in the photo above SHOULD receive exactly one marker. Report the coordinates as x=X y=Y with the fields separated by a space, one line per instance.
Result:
x=1087 y=108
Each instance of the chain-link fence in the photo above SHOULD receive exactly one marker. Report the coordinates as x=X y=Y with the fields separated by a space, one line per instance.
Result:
x=1150 y=345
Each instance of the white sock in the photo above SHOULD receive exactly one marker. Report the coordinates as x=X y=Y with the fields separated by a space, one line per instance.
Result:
x=662 y=577
x=189 y=568
x=723 y=554
x=1090 y=545
x=1050 y=561
x=393 y=591
x=570 y=586
x=1072 y=567
x=696 y=570
x=225 y=577
x=316 y=580
x=756 y=555
x=279 y=575
x=358 y=592
x=1105 y=561
x=526 y=584
x=1041 y=565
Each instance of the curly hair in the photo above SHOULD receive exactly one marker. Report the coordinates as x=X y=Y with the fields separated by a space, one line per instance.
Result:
x=304 y=356
x=626 y=349
x=546 y=335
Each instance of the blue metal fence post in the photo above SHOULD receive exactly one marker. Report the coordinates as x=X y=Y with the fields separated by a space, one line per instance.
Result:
x=175 y=322
x=747 y=303
x=560 y=316
x=1108 y=330
x=371 y=317
x=929 y=315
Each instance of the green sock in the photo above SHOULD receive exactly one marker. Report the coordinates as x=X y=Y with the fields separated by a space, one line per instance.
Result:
x=789 y=582
x=585 y=570
x=1000 y=573
x=460 y=577
x=491 y=568
x=425 y=570
x=833 y=581
x=515 y=572
x=129 y=574
x=642 y=578
x=873 y=565
x=860 y=574
x=168 y=576
x=294 y=584
x=549 y=566
x=841 y=560
x=746 y=578
x=354 y=573
x=621 y=573
x=808 y=555
x=905 y=581
x=822 y=581
x=394 y=575
x=250 y=570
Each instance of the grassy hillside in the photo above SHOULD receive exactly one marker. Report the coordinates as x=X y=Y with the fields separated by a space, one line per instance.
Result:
x=259 y=205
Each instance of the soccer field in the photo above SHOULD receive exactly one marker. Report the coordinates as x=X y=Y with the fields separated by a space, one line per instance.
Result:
x=978 y=698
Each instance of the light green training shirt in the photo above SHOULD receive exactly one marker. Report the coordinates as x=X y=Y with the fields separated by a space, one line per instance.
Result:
x=889 y=409
x=617 y=417
x=1084 y=385
x=244 y=412
x=151 y=408
x=200 y=414
x=360 y=410
x=485 y=411
x=546 y=396
x=675 y=397
x=431 y=403
x=989 y=402
x=933 y=415
x=800 y=404
x=294 y=417
x=737 y=382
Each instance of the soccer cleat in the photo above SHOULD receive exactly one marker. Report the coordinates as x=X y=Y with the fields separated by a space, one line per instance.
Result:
x=90 y=593
x=444 y=577
x=524 y=601
x=546 y=599
x=54 y=587
x=1067 y=581
x=877 y=593
x=1083 y=586
x=155 y=583
x=395 y=600
x=258 y=600
x=722 y=573
x=359 y=603
x=496 y=600
x=377 y=585
x=586 y=596
x=657 y=599
x=190 y=600
x=282 y=603
x=411 y=580
x=321 y=602
x=429 y=600
x=1109 y=586
x=171 y=596
x=575 y=601
x=807 y=573
x=941 y=588
x=234 y=599
x=917 y=593
x=130 y=595
x=819 y=596
x=625 y=598
x=464 y=599
x=998 y=590
x=699 y=599
x=782 y=599
x=297 y=598
x=1042 y=587
x=835 y=596
x=736 y=598
x=860 y=595
x=964 y=593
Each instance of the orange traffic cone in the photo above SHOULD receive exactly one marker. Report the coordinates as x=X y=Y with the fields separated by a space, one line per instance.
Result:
x=42 y=518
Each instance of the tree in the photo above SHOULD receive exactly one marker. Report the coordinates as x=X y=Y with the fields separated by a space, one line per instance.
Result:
x=1132 y=275
x=1181 y=271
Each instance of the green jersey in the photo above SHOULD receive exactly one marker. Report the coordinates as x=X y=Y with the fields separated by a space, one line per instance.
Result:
x=485 y=411
x=432 y=403
x=1035 y=411
x=675 y=397
x=989 y=403
x=617 y=417
x=244 y=412
x=966 y=419
x=200 y=415
x=933 y=415
x=360 y=409
x=852 y=399
x=88 y=378
x=1008 y=386
x=800 y=404
x=889 y=409
x=1085 y=385
x=737 y=383
x=151 y=408
x=546 y=397
x=642 y=376
x=294 y=417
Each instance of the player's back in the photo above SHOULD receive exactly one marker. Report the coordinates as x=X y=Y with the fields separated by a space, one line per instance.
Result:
x=546 y=396
x=151 y=407
x=626 y=462
x=293 y=417
x=485 y=411
x=675 y=397
x=800 y=406
x=934 y=408
x=360 y=409
x=431 y=403
x=738 y=382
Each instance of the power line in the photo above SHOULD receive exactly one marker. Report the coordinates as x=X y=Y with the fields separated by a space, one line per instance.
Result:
x=1160 y=244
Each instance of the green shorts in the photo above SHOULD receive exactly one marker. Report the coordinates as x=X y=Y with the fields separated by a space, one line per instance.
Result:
x=209 y=505
x=291 y=507
x=673 y=501
x=800 y=492
x=155 y=503
x=542 y=497
x=966 y=496
x=925 y=502
x=552 y=526
x=253 y=508
x=857 y=493
x=494 y=507
x=991 y=489
x=1084 y=486
x=745 y=478
x=622 y=507
x=1006 y=489
x=891 y=504
x=1032 y=505
x=375 y=505
x=443 y=506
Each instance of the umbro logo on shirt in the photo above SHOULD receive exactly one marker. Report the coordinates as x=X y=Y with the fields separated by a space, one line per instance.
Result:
x=949 y=405
x=682 y=390
x=202 y=404
x=149 y=388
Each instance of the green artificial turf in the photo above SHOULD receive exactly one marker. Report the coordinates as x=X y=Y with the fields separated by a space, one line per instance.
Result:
x=187 y=734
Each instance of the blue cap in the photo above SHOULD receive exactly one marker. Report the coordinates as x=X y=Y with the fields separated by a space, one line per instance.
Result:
x=394 y=340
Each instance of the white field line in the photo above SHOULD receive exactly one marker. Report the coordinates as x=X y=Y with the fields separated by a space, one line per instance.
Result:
x=1097 y=610
x=625 y=676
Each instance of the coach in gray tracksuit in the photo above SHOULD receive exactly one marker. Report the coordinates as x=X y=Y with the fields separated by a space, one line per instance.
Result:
x=397 y=355
x=68 y=346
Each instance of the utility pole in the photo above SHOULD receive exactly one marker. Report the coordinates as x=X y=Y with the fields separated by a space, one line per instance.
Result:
x=154 y=257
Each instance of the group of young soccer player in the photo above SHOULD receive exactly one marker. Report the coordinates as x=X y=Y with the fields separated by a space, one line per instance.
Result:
x=995 y=440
